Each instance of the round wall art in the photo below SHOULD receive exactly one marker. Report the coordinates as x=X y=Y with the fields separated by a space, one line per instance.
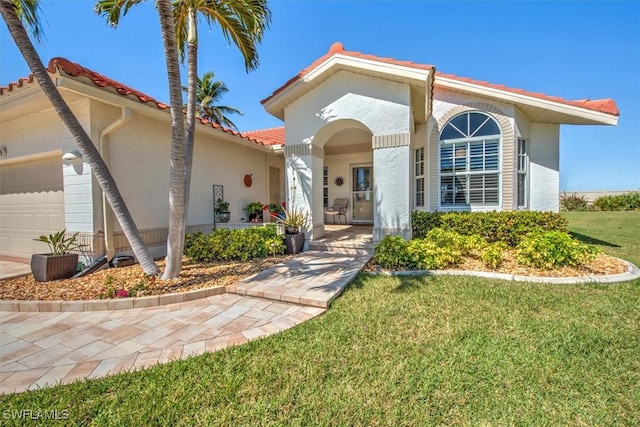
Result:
x=248 y=180
x=339 y=181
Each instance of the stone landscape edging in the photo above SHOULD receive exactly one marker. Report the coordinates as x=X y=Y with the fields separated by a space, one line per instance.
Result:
x=633 y=272
x=108 y=304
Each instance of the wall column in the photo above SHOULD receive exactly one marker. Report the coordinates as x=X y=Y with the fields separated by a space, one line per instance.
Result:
x=303 y=185
x=392 y=175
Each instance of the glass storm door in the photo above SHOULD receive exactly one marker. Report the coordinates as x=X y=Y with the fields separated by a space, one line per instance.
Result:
x=362 y=194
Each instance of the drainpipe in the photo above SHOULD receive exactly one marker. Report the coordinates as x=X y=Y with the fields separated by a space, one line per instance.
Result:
x=107 y=214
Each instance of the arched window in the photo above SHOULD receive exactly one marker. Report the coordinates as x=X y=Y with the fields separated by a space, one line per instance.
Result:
x=470 y=161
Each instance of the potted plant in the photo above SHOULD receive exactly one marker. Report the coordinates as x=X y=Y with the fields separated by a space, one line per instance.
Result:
x=254 y=211
x=293 y=221
x=60 y=263
x=276 y=211
x=222 y=211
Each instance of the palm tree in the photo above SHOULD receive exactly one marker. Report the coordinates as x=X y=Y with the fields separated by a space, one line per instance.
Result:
x=243 y=22
x=209 y=92
x=14 y=13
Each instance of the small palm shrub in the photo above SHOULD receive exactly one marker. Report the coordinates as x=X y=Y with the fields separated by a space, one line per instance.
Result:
x=234 y=245
x=621 y=202
x=553 y=249
x=573 y=202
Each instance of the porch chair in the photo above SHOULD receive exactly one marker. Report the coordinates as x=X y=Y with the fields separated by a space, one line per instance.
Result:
x=338 y=209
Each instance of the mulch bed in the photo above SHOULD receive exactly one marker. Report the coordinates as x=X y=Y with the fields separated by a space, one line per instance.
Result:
x=94 y=286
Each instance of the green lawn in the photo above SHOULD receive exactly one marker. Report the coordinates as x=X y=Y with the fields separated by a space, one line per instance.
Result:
x=616 y=233
x=406 y=351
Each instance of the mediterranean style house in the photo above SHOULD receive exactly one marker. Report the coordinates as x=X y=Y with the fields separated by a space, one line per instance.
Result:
x=388 y=136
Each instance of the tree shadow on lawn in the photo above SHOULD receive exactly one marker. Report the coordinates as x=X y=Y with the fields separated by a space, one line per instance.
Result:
x=592 y=240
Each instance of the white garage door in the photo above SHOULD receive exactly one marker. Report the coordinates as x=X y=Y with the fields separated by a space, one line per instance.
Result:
x=31 y=205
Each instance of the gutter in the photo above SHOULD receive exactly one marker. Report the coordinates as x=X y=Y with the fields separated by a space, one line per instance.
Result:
x=103 y=147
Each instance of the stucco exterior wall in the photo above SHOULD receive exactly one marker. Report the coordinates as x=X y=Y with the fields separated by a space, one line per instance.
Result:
x=140 y=164
x=544 y=167
x=344 y=100
x=348 y=95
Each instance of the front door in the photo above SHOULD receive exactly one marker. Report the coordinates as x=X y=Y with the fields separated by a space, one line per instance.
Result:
x=362 y=194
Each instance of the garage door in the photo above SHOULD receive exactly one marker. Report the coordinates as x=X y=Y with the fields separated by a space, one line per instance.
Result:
x=31 y=204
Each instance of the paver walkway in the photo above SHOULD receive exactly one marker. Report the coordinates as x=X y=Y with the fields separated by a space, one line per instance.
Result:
x=42 y=349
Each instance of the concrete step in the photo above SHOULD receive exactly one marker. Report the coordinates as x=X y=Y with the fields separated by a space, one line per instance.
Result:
x=342 y=248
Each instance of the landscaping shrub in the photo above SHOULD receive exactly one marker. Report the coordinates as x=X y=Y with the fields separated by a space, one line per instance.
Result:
x=233 y=245
x=425 y=254
x=621 y=202
x=573 y=202
x=509 y=226
x=492 y=255
x=391 y=252
x=553 y=249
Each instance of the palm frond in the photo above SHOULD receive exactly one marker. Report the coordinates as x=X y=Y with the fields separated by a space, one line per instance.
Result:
x=112 y=10
x=28 y=11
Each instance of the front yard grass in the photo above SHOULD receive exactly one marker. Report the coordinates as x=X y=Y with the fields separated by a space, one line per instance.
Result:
x=405 y=351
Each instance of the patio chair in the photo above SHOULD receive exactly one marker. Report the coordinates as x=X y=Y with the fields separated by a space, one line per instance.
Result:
x=338 y=209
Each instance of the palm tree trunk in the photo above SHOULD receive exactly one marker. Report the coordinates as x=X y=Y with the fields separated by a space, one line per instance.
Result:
x=175 y=240
x=89 y=151
x=192 y=85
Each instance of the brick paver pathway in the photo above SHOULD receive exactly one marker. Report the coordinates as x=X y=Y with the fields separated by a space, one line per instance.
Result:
x=43 y=349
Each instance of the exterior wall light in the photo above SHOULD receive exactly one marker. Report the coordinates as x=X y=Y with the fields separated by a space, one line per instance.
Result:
x=71 y=156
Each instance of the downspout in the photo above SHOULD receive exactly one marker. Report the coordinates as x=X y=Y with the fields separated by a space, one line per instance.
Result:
x=107 y=214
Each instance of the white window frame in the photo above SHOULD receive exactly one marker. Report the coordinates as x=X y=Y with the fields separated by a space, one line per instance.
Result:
x=467 y=173
x=419 y=166
x=522 y=169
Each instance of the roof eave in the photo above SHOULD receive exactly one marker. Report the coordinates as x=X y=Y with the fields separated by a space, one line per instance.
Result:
x=293 y=89
x=580 y=114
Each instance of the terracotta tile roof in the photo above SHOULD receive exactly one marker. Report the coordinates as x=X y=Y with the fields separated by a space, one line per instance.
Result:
x=338 y=48
x=75 y=70
x=9 y=87
x=271 y=136
x=602 y=105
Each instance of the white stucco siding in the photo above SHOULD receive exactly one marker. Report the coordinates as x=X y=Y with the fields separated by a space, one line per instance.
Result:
x=392 y=213
x=382 y=106
x=544 y=167
x=41 y=132
x=140 y=164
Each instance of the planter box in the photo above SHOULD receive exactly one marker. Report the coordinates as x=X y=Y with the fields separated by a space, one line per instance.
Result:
x=46 y=267
x=294 y=242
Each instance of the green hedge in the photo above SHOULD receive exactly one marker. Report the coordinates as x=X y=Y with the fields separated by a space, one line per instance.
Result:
x=234 y=245
x=554 y=249
x=508 y=227
x=622 y=202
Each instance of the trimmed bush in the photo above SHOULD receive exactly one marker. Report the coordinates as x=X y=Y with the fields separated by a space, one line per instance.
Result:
x=392 y=252
x=233 y=245
x=509 y=226
x=553 y=249
x=492 y=255
x=573 y=202
x=621 y=202
x=425 y=254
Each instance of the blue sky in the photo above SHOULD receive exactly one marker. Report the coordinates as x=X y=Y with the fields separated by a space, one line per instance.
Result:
x=575 y=50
